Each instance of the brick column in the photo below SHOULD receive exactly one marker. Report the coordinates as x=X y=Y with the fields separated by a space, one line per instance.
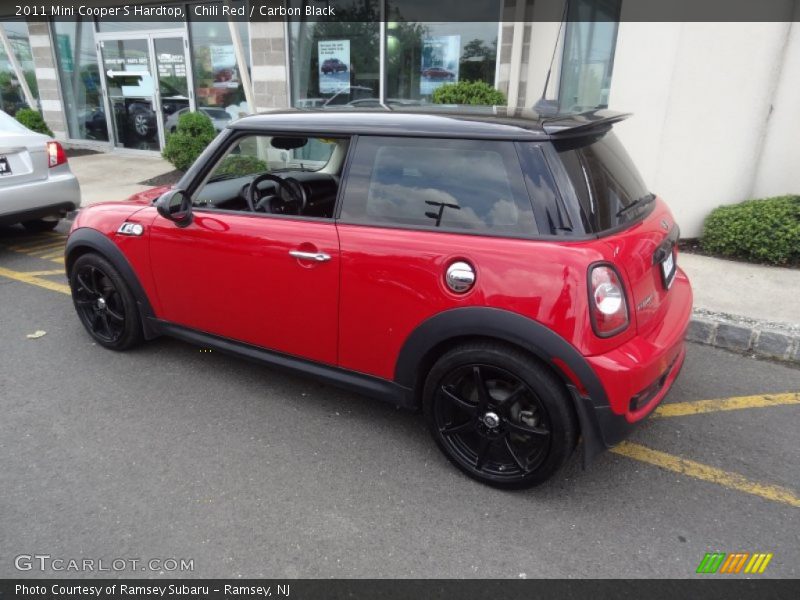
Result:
x=51 y=104
x=268 y=47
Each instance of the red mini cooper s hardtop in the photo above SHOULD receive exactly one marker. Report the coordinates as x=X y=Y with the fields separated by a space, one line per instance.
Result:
x=510 y=275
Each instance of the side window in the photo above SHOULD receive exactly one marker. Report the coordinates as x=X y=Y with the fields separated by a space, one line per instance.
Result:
x=454 y=185
x=295 y=176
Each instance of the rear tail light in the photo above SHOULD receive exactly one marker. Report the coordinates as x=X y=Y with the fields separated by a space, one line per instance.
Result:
x=55 y=154
x=607 y=306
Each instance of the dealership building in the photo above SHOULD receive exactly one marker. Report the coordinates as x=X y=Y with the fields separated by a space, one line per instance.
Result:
x=715 y=104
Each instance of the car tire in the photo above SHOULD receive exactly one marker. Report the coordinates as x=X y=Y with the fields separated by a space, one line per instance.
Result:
x=499 y=415
x=114 y=322
x=140 y=124
x=40 y=225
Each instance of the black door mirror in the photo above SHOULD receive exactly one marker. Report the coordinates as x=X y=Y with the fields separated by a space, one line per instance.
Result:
x=175 y=205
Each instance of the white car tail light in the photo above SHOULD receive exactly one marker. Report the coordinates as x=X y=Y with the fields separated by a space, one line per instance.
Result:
x=55 y=154
x=607 y=306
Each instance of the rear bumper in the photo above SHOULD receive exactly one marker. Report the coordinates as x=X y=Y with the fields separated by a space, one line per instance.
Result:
x=57 y=194
x=638 y=375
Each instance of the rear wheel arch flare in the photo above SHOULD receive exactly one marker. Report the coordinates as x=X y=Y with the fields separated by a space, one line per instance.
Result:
x=497 y=324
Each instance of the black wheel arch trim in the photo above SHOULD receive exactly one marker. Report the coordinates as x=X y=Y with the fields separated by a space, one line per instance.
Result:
x=600 y=427
x=87 y=238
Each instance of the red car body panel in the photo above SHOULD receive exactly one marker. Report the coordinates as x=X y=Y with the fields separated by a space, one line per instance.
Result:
x=401 y=272
x=231 y=275
x=106 y=219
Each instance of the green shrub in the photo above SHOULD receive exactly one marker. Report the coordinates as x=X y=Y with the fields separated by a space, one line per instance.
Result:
x=765 y=230
x=33 y=120
x=468 y=92
x=236 y=164
x=193 y=133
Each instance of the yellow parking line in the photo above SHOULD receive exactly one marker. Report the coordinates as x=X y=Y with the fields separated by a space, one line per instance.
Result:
x=33 y=280
x=40 y=273
x=38 y=247
x=42 y=252
x=681 y=409
x=698 y=470
x=51 y=255
x=30 y=243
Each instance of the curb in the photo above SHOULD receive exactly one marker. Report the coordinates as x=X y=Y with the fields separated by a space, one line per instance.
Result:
x=766 y=339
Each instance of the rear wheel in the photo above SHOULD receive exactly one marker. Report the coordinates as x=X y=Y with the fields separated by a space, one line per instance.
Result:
x=40 y=225
x=498 y=415
x=104 y=303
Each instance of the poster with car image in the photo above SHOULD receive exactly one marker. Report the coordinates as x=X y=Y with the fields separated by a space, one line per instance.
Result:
x=334 y=65
x=223 y=65
x=439 y=62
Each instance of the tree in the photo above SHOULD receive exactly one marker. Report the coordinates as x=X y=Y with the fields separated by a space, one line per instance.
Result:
x=478 y=60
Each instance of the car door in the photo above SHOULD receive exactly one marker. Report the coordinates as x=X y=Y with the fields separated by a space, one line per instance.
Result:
x=267 y=280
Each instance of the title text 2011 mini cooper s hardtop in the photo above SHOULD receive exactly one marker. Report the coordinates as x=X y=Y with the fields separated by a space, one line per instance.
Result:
x=510 y=275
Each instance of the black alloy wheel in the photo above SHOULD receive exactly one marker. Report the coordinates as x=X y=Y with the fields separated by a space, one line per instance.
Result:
x=499 y=416
x=104 y=303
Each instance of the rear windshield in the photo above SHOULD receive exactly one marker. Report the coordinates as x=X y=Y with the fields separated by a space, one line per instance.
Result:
x=608 y=185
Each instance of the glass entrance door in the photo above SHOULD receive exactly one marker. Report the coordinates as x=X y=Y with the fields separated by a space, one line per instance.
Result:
x=147 y=85
x=172 y=83
x=131 y=93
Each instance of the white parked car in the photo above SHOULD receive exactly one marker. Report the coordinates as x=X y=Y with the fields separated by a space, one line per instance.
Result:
x=37 y=187
x=219 y=118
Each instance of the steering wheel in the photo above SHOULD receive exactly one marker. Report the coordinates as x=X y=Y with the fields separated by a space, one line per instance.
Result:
x=290 y=199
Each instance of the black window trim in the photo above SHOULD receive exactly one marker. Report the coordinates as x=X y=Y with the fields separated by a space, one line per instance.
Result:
x=561 y=204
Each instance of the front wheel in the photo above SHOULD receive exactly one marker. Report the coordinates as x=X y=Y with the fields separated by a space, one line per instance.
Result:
x=104 y=303
x=498 y=415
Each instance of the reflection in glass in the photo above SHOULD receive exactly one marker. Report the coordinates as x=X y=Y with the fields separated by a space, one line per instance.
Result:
x=450 y=184
x=173 y=81
x=589 y=42
x=12 y=98
x=216 y=74
x=80 y=79
x=131 y=93
x=421 y=57
x=117 y=26
x=337 y=62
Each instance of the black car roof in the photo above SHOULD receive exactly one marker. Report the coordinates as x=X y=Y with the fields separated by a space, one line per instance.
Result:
x=473 y=122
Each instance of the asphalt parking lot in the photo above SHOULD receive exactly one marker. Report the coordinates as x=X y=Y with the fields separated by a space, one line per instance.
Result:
x=171 y=452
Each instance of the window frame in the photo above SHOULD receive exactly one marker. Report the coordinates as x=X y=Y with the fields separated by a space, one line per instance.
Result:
x=196 y=180
x=519 y=187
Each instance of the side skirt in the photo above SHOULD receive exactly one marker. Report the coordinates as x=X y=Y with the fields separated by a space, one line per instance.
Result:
x=381 y=389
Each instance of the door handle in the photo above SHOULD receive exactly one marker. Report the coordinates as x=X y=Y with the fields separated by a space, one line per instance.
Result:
x=315 y=256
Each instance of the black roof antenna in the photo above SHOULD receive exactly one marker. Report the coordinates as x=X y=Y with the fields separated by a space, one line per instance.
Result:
x=544 y=107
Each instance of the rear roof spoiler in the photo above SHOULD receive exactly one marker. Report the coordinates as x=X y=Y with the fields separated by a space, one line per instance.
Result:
x=586 y=123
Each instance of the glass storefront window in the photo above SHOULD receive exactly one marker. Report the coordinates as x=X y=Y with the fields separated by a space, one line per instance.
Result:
x=337 y=62
x=80 y=79
x=421 y=57
x=589 y=43
x=112 y=26
x=217 y=80
x=12 y=98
